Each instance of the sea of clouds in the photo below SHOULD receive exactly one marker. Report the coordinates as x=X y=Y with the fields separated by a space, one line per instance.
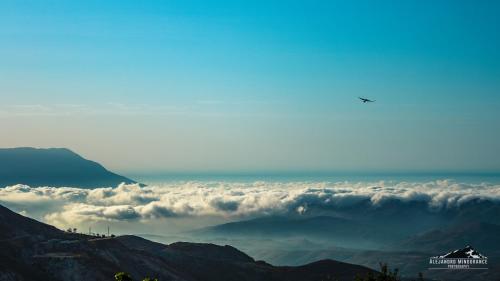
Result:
x=62 y=206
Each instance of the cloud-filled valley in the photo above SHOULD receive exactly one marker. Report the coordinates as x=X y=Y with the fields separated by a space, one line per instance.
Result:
x=236 y=200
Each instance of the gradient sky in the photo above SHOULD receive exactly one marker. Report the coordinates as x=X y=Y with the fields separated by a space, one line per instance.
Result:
x=255 y=85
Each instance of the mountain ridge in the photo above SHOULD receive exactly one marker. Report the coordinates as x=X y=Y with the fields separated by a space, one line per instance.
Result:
x=53 y=167
x=482 y=235
x=47 y=253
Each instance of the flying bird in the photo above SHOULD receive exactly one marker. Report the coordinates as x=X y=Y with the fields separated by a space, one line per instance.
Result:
x=366 y=100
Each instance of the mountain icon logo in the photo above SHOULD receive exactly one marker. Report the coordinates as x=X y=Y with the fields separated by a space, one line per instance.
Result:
x=466 y=258
x=466 y=253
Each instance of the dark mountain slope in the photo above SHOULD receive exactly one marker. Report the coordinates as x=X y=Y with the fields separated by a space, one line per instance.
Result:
x=210 y=251
x=346 y=232
x=322 y=271
x=484 y=236
x=23 y=226
x=35 y=251
x=53 y=167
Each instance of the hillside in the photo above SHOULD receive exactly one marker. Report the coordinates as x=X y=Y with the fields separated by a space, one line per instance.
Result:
x=347 y=232
x=480 y=234
x=53 y=167
x=300 y=240
x=35 y=251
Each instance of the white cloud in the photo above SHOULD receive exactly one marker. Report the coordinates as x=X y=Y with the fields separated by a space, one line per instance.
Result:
x=191 y=199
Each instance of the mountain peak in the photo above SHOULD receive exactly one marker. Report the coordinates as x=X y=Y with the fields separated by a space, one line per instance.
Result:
x=53 y=167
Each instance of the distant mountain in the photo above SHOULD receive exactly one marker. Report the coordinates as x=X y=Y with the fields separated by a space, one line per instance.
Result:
x=339 y=231
x=482 y=235
x=53 y=167
x=282 y=225
x=272 y=239
x=35 y=251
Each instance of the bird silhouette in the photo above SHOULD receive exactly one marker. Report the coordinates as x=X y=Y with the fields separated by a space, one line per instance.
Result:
x=364 y=100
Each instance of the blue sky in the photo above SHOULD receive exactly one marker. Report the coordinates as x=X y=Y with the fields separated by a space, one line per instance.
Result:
x=255 y=85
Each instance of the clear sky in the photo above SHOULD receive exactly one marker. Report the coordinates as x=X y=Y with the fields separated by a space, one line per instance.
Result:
x=255 y=85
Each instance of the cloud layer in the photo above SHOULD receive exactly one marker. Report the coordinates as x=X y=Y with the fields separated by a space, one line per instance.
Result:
x=69 y=206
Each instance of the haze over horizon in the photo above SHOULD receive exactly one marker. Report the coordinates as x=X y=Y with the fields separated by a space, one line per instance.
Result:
x=260 y=140
x=260 y=86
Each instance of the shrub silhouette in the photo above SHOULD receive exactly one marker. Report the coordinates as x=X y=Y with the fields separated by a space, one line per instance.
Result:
x=385 y=275
x=123 y=276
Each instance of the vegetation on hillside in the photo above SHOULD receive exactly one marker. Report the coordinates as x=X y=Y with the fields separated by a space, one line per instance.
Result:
x=123 y=276
x=386 y=274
